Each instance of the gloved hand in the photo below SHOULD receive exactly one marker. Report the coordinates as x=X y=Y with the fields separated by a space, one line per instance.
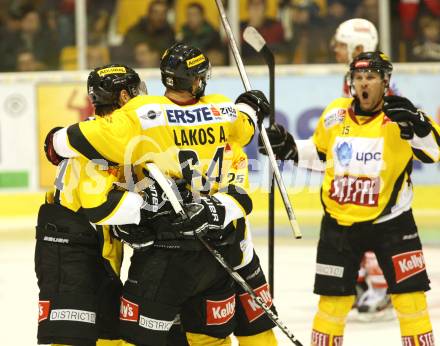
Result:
x=49 y=149
x=410 y=119
x=156 y=202
x=282 y=143
x=257 y=101
x=202 y=218
x=138 y=237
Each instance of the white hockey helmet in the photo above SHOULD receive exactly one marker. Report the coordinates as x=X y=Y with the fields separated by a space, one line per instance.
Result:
x=356 y=32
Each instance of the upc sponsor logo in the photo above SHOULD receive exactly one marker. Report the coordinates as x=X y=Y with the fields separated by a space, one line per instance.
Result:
x=426 y=339
x=153 y=324
x=358 y=156
x=73 y=315
x=129 y=311
x=320 y=339
x=355 y=190
x=329 y=270
x=43 y=310
x=220 y=311
x=408 y=264
x=252 y=309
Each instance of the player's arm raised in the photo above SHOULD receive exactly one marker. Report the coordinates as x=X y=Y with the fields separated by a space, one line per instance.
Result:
x=422 y=133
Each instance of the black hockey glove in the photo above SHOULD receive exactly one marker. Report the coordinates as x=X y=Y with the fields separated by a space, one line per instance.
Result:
x=257 y=101
x=282 y=143
x=138 y=237
x=203 y=218
x=156 y=202
x=49 y=149
x=410 y=119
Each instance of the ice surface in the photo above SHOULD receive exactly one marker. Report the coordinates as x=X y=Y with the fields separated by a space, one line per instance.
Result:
x=294 y=263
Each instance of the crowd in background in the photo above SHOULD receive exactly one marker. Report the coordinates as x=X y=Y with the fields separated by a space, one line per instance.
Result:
x=40 y=34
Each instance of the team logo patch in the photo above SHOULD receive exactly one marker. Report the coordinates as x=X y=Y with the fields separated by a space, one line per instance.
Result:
x=253 y=311
x=344 y=152
x=219 y=311
x=111 y=70
x=43 y=310
x=129 y=311
x=320 y=339
x=334 y=117
x=196 y=60
x=408 y=264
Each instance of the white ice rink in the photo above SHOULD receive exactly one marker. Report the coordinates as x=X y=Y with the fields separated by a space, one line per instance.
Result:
x=294 y=263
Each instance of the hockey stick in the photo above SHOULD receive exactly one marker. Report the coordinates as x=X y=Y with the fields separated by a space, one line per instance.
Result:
x=263 y=134
x=257 y=42
x=163 y=183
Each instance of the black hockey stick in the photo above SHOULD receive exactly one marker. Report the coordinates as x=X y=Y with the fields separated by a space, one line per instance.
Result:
x=157 y=174
x=263 y=135
x=257 y=42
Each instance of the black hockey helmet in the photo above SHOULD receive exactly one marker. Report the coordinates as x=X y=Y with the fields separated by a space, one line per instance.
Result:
x=106 y=82
x=181 y=64
x=372 y=61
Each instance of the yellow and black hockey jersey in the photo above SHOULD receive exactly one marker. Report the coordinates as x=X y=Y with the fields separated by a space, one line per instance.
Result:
x=185 y=141
x=368 y=165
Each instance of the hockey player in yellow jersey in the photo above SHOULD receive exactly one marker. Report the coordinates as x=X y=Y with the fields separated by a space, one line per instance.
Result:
x=366 y=146
x=186 y=134
x=77 y=264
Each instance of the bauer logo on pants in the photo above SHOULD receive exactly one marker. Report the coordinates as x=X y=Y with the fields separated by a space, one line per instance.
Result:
x=408 y=264
x=129 y=311
x=252 y=309
x=43 y=310
x=220 y=311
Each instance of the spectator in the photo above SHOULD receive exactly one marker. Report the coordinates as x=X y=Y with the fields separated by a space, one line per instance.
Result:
x=197 y=31
x=369 y=9
x=36 y=38
x=338 y=11
x=152 y=28
x=307 y=44
x=26 y=62
x=99 y=13
x=270 y=29
x=428 y=47
x=97 y=56
x=10 y=28
x=145 y=56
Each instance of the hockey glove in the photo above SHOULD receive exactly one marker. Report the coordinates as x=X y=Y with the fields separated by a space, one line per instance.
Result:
x=156 y=202
x=49 y=149
x=410 y=119
x=138 y=237
x=203 y=218
x=257 y=101
x=282 y=143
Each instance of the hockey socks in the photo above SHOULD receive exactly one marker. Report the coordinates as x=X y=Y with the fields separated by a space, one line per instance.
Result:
x=415 y=325
x=329 y=322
